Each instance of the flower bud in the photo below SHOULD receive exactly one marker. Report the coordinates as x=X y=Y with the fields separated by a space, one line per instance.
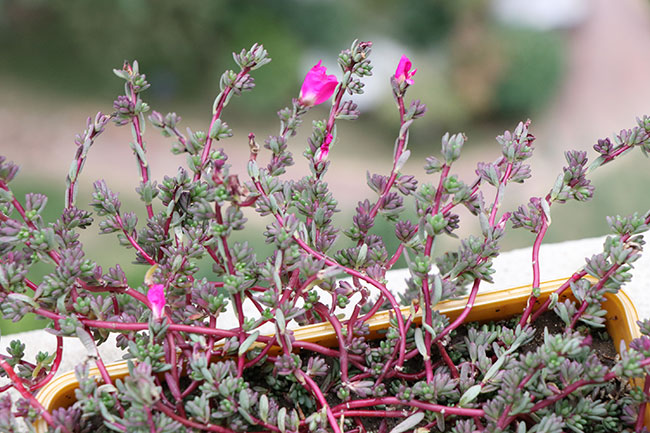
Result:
x=325 y=148
x=156 y=296
x=403 y=71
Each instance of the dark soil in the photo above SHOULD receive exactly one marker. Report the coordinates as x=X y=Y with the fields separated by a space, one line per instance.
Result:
x=601 y=342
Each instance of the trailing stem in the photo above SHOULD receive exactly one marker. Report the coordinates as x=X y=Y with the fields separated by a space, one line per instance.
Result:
x=399 y=150
x=599 y=285
x=311 y=386
x=17 y=384
x=525 y=318
x=394 y=401
x=570 y=389
x=639 y=425
x=544 y=307
x=428 y=319
x=133 y=242
x=336 y=325
x=221 y=103
x=137 y=132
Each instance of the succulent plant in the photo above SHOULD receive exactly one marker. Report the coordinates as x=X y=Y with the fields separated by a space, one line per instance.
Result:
x=191 y=372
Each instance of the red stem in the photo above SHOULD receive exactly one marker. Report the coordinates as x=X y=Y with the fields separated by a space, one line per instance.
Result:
x=351 y=322
x=171 y=352
x=144 y=170
x=30 y=284
x=447 y=410
x=133 y=242
x=575 y=277
x=570 y=388
x=638 y=426
x=398 y=152
x=461 y=318
x=447 y=359
x=21 y=211
x=220 y=333
x=598 y=286
x=186 y=422
x=502 y=419
x=17 y=383
x=436 y=206
x=621 y=149
x=310 y=385
x=262 y=354
x=425 y=281
x=217 y=114
x=374 y=309
x=373 y=413
x=352 y=273
x=499 y=194
x=395 y=258
x=152 y=425
x=336 y=325
x=195 y=384
x=92 y=134
x=388 y=365
x=377 y=284
x=237 y=298
x=536 y=273
x=57 y=362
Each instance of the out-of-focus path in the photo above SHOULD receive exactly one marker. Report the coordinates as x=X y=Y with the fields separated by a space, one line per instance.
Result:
x=607 y=81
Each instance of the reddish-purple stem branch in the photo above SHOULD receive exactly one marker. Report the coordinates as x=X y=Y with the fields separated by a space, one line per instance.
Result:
x=638 y=426
x=220 y=333
x=336 y=325
x=17 y=383
x=316 y=391
x=447 y=359
x=186 y=422
x=398 y=152
x=144 y=170
x=570 y=388
x=536 y=273
x=447 y=410
x=575 y=277
x=598 y=286
x=217 y=114
x=133 y=242
x=461 y=318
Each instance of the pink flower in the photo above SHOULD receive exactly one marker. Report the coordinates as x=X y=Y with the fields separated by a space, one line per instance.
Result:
x=318 y=86
x=325 y=148
x=403 y=71
x=156 y=296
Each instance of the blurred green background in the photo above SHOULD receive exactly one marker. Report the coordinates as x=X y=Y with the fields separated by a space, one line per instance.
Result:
x=482 y=67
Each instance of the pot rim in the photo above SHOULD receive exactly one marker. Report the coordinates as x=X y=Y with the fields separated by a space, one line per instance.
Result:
x=621 y=325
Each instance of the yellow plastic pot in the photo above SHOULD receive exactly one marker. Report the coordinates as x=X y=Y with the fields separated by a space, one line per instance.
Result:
x=502 y=304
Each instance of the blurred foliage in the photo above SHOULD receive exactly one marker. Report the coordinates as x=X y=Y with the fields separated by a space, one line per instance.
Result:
x=532 y=57
x=70 y=46
x=183 y=44
x=501 y=72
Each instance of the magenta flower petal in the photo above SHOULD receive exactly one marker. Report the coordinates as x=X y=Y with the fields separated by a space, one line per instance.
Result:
x=403 y=71
x=325 y=148
x=318 y=87
x=156 y=296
